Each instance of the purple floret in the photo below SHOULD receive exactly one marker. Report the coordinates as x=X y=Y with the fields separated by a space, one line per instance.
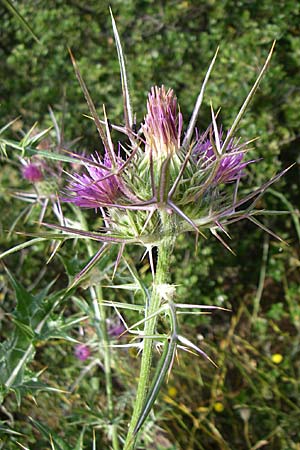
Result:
x=163 y=122
x=116 y=330
x=231 y=165
x=82 y=352
x=96 y=188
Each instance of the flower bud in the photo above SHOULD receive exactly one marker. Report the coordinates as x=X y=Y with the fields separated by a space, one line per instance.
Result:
x=32 y=173
x=163 y=123
x=82 y=352
x=115 y=330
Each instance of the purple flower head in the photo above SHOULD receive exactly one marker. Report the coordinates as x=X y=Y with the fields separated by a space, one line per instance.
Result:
x=82 y=352
x=32 y=173
x=96 y=188
x=114 y=330
x=231 y=165
x=163 y=123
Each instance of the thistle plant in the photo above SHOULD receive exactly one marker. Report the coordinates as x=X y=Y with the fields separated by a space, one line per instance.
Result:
x=160 y=184
x=163 y=182
x=42 y=180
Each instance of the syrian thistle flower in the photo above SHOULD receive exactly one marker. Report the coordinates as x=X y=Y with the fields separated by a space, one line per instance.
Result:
x=116 y=329
x=82 y=352
x=163 y=123
x=232 y=164
x=32 y=172
x=164 y=175
x=46 y=181
x=167 y=182
x=95 y=189
x=45 y=177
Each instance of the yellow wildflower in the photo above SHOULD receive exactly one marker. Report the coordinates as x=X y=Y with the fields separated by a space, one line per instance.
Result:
x=219 y=407
x=277 y=358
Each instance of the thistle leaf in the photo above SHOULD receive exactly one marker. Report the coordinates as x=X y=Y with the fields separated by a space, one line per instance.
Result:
x=19 y=247
x=89 y=234
x=187 y=343
x=29 y=151
x=164 y=367
x=92 y=108
x=49 y=434
x=21 y=19
x=116 y=305
x=256 y=194
x=266 y=229
x=9 y=124
x=89 y=266
x=192 y=123
x=125 y=90
x=216 y=131
x=247 y=101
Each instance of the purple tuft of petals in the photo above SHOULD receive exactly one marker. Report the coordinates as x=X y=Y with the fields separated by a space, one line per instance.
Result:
x=82 y=352
x=163 y=123
x=231 y=164
x=96 y=188
x=115 y=330
x=32 y=173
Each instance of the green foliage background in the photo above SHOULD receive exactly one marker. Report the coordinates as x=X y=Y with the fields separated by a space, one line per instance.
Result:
x=172 y=43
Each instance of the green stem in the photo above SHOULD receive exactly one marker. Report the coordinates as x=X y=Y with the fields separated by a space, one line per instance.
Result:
x=161 y=277
x=103 y=339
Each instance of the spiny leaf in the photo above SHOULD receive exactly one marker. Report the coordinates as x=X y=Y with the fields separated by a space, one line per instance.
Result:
x=247 y=101
x=163 y=368
x=90 y=234
x=89 y=266
x=187 y=343
x=49 y=434
x=92 y=109
x=122 y=305
x=9 y=124
x=266 y=229
x=21 y=19
x=47 y=154
x=257 y=193
x=13 y=370
x=24 y=300
x=79 y=443
x=126 y=97
x=21 y=246
x=191 y=126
